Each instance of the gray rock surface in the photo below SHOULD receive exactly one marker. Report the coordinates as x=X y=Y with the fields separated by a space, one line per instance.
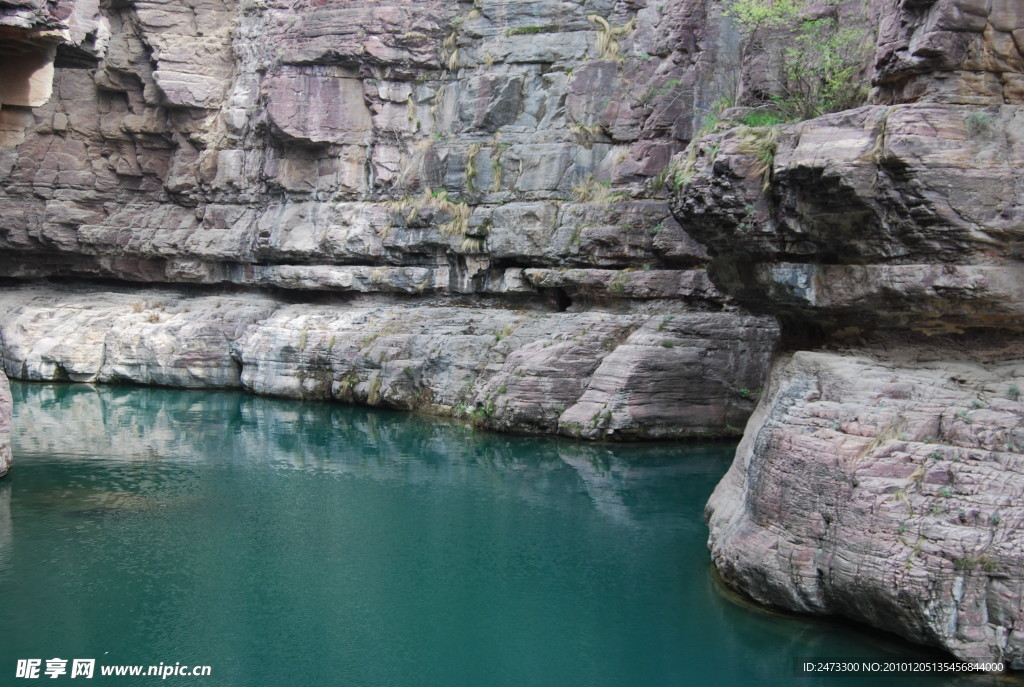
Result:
x=592 y=374
x=240 y=143
x=150 y=337
x=465 y=199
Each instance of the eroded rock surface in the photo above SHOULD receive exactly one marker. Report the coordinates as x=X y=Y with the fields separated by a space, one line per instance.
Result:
x=904 y=216
x=888 y=490
x=880 y=477
x=464 y=199
x=589 y=374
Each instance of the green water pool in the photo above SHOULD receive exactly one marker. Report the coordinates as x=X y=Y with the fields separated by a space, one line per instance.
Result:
x=286 y=543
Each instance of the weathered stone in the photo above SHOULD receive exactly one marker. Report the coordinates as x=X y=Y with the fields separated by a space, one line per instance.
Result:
x=162 y=338
x=885 y=488
x=501 y=368
x=883 y=483
x=509 y=370
x=903 y=216
x=318 y=108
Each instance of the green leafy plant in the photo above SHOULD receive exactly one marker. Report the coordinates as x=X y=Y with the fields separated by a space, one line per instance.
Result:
x=822 y=65
x=762 y=118
x=618 y=284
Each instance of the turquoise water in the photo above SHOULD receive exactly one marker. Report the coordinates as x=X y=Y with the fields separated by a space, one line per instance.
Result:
x=284 y=543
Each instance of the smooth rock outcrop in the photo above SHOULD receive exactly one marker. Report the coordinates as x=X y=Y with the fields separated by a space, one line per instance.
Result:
x=589 y=374
x=163 y=338
x=888 y=489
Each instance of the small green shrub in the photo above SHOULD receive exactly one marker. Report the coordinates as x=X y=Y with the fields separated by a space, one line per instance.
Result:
x=823 y=63
x=618 y=284
x=762 y=118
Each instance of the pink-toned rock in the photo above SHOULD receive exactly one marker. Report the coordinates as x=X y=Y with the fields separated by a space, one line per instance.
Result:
x=318 y=108
x=897 y=217
x=888 y=488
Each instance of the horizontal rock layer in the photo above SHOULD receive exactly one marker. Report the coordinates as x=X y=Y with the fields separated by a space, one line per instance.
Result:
x=901 y=217
x=466 y=198
x=592 y=374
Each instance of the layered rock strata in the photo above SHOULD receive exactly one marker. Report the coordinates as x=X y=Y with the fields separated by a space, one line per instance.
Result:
x=467 y=199
x=880 y=477
x=888 y=490
x=589 y=374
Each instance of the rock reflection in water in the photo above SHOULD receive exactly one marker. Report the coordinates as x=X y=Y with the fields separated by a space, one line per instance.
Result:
x=329 y=438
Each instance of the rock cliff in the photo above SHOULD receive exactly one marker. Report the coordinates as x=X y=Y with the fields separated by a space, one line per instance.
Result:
x=881 y=477
x=455 y=207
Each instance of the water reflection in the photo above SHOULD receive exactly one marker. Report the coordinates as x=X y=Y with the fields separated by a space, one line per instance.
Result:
x=295 y=544
x=164 y=429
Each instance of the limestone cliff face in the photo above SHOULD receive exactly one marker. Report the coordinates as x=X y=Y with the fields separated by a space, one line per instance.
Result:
x=447 y=206
x=881 y=476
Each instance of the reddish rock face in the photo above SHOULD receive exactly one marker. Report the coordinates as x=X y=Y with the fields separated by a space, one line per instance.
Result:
x=950 y=51
x=887 y=487
x=318 y=108
x=880 y=477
